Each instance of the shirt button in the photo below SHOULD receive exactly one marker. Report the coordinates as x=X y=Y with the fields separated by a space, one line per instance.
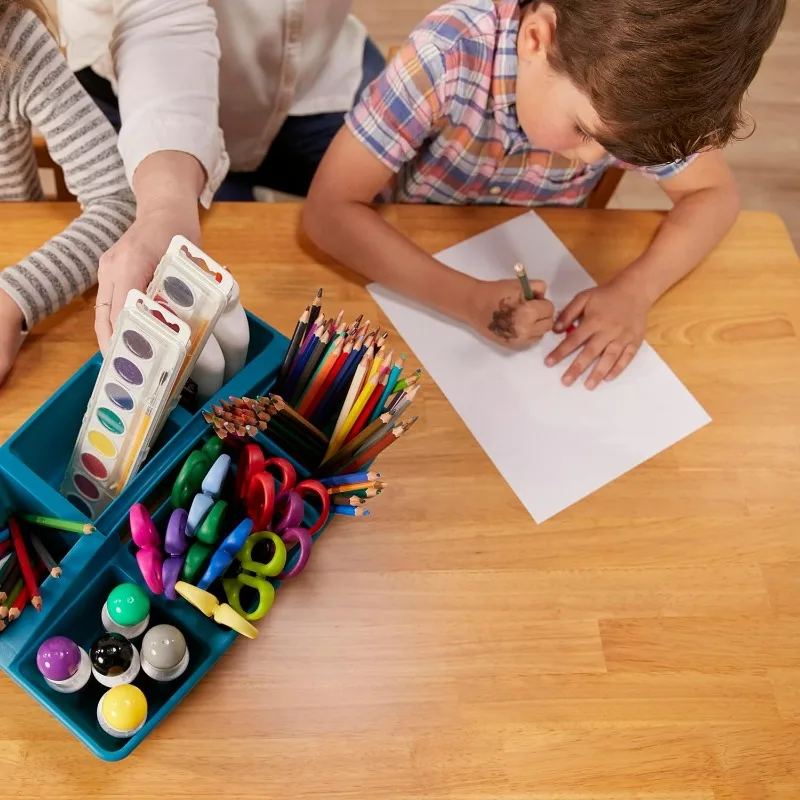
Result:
x=495 y=190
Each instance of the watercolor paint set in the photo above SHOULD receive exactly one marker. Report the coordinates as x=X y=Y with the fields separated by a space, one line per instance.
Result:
x=133 y=390
x=32 y=465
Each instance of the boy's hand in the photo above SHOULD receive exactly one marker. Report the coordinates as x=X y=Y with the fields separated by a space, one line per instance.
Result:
x=11 y=319
x=503 y=315
x=613 y=323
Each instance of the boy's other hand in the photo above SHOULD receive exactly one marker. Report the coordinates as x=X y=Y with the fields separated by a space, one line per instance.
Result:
x=613 y=323
x=11 y=319
x=504 y=316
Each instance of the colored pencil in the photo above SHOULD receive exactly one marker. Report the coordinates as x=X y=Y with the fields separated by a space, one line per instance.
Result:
x=5 y=547
x=23 y=597
x=11 y=575
x=394 y=377
x=321 y=393
x=13 y=593
x=5 y=535
x=294 y=344
x=366 y=412
x=354 y=477
x=364 y=457
x=58 y=524
x=316 y=307
x=342 y=500
x=405 y=400
x=367 y=437
x=317 y=382
x=25 y=564
x=353 y=396
x=354 y=487
x=284 y=408
x=524 y=282
x=300 y=363
x=340 y=385
x=404 y=383
x=347 y=511
x=364 y=494
x=49 y=562
x=317 y=352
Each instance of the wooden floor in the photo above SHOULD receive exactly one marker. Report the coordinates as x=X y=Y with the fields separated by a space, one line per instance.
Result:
x=767 y=165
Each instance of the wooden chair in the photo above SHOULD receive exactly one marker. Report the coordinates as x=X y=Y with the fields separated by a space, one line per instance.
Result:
x=44 y=161
x=605 y=188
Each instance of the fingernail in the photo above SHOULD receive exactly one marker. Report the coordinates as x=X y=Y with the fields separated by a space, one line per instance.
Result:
x=591 y=385
x=549 y=361
x=567 y=380
x=558 y=326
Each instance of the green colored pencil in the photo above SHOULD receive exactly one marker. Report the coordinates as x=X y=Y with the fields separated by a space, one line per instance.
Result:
x=523 y=279
x=58 y=524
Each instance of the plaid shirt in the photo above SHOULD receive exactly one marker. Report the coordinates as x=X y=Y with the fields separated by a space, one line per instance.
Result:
x=443 y=118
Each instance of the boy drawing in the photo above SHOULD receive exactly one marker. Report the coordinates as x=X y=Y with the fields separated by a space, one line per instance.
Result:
x=521 y=102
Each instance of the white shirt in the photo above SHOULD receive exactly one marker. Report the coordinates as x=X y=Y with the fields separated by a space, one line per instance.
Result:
x=181 y=87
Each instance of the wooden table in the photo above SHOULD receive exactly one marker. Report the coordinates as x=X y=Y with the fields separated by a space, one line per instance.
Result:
x=643 y=644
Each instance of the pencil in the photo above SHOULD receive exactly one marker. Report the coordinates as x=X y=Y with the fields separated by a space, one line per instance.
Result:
x=324 y=369
x=58 y=524
x=354 y=477
x=354 y=487
x=25 y=564
x=5 y=547
x=394 y=377
x=366 y=412
x=343 y=380
x=13 y=594
x=367 y=437
x=18 y=603
x=283 y=407
x=299 y=363
x=348 y=501
x=316 y=307
x=404 y=383
x=346 y=418
x=347 y=511
x=7 y=575
x=405 y=400
x=363 y=494
x=322 y=392
x=294 y=344
x=524 y=282
x=317 y=352
x=365 y=456
x=49 y=562
x=5 y=535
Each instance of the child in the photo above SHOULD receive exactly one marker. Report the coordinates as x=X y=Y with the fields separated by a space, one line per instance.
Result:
x=524 y=102
x=38 y=89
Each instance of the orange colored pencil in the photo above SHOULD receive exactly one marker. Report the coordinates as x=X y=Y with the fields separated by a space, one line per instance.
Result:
x=315 y=385
x=25 y=564
x=366 y=412
x=329 y=379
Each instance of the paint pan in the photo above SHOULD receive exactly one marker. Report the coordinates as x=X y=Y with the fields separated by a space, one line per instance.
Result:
x=130 y=397
x=196 y=289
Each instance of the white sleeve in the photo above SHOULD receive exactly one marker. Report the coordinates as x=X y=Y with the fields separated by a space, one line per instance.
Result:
x=166 y=61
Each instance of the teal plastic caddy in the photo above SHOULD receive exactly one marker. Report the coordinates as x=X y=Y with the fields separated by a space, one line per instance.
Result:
x=32 y=465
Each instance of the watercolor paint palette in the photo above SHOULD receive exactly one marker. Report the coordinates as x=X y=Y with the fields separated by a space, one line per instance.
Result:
x=196 y=289
x=32 y=463
x=130 y=397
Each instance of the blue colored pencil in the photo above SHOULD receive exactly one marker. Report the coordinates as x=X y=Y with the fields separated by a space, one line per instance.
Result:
x=350 y=511
x=4 y=535
x=299 y=365
x=355 y=477
x=394 y=376
x=343 y=379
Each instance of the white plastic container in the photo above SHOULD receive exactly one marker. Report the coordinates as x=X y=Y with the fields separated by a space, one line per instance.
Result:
x=208 y=374
x=233 y=334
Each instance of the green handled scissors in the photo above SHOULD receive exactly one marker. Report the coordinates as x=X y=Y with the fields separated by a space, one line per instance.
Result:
x=255 y=572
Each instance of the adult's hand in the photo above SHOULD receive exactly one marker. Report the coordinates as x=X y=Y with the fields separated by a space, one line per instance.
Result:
x=166 y=185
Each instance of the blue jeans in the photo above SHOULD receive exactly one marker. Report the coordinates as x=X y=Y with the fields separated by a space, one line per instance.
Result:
x=294 y=155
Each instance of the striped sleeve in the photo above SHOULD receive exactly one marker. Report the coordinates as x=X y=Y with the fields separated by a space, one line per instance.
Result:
x=44 y=91
x=401 y=108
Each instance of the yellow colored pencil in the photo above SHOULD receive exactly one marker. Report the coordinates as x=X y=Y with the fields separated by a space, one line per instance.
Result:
x=352 y=396
x=355 y=411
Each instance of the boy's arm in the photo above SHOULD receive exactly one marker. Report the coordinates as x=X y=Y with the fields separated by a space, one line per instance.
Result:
x=613 y=317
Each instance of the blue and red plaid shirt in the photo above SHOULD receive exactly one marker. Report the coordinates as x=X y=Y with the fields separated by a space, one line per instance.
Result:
x=443 y=118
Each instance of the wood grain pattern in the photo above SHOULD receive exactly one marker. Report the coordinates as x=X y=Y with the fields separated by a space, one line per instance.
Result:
x=643 y=645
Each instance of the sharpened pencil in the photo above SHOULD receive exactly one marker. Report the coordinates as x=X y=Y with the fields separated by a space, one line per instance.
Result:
x=524 y=282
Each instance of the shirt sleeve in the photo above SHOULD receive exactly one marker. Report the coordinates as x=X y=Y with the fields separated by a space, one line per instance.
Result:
x=43 y=90
x=398 y=110
x=166 y=64
x=662 y=172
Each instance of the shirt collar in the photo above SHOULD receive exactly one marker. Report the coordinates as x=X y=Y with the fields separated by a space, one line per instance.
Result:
x=504 y=74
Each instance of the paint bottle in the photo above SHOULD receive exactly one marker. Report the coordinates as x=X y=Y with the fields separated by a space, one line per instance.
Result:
x=207 y=376
x=233 y=334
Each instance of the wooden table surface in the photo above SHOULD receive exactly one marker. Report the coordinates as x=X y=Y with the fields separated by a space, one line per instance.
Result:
x=642 y=645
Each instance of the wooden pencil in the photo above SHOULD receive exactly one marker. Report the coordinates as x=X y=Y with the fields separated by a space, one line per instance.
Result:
x=300 y=362
x=284 y=408
x=340 y=385
x=49 y=562
x=354 y=487
x=58 y=524
x=366 y=412
x=5 y=547
x=394 y=377
x=23 y=597
x=351 y=398
x=25 y=564
x=527 y=291
x=317 y=352
x=348 y=511
x=368 y=436
x=363 y=494
x=353 y=477
x=316 y=307
x=318 y=381
x=405 y=383
x=352 y=500
x=365 y=456
x=294 y=345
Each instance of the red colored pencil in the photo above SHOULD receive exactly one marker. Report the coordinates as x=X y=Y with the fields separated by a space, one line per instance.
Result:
x=366 y=412
x=25 y=564
x=323 y=390
x=5 y=547
x=18 y=606
x=364 y=458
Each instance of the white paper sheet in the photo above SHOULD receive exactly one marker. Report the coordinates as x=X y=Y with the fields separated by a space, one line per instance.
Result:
x=554 y=445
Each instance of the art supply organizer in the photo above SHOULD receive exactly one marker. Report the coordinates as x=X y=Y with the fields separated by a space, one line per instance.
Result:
x=32 y=466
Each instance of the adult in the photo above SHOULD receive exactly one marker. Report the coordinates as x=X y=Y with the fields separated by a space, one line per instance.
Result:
x=201 y=87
